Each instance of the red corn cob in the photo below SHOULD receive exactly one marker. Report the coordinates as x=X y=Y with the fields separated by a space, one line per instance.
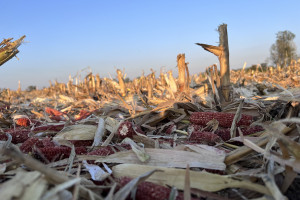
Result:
x=193 y=128
x=108 y=150
x=225 y=133
x=32 y=142
x=28 y=144
x=23 y=122
x=83 y=114
x=18 y=136
x=251 y=130
x=49 y=128
x=80 y=150
x=150 y=191
x=47 y=142
x=57 y=118
x=224 y=119
x=53 y=112
x=125 y=130
x=102 y=151
x=81 y=143
x=204 y=137
x=56 y=153
x=171 y=129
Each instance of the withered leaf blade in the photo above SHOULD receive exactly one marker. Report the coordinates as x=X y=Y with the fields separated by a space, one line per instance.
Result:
x=15 y=187
x=77 y=132
x=168 y=158
x=175 y=177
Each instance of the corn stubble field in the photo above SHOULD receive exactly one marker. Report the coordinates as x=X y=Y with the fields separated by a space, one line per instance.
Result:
x=156 y=137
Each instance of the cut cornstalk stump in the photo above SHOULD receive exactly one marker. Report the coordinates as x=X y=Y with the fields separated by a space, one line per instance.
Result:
x=181 y=72
x=121 y=82
x=222 y=51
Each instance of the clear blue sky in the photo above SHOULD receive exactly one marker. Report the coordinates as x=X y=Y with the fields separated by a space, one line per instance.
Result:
x=64 y=37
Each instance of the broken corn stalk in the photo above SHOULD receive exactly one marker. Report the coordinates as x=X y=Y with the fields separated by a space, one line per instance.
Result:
x=9 y=49
x=225 y=119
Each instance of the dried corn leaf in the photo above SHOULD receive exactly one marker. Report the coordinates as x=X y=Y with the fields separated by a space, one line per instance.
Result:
x=99 y=133
x=168 y=158
x=15 y=187
x=111 y=124
x=77 y=132
x=35 y=190
x=273 y=188
x=50 y=194
x=139 y=151
x=96 y=172
x=176 y=177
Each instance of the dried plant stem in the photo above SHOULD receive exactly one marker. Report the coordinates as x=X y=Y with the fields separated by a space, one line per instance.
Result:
x=222 y=51
x=121 y=82
x=243 y=151
x=9 y=49
x=149 y=88
x=181 y=72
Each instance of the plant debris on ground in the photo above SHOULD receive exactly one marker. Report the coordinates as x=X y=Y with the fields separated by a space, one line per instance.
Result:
x=99 y=138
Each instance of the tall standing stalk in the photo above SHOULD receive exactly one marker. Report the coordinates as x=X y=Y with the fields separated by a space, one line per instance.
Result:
x=222 y=51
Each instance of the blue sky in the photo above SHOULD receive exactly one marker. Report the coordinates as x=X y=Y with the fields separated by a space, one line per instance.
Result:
x=64 y=37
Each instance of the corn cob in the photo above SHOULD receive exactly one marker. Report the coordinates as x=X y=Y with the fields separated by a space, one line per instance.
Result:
x=32 y=142
x=82 y=115
x=108 y=150
x=225 y=133
x=125 y=130
x=204 y=138
x=53 y=112
x=102 y=151
x=171 y=129
x=23 y=122
x=26 y=147
x=56 y=153
x=251 y=130
x=225 y=119
x=81 y=143
x=47 y=142
x=58 y=118
x=150 y=191
x=49 y=128
x=18 y=135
